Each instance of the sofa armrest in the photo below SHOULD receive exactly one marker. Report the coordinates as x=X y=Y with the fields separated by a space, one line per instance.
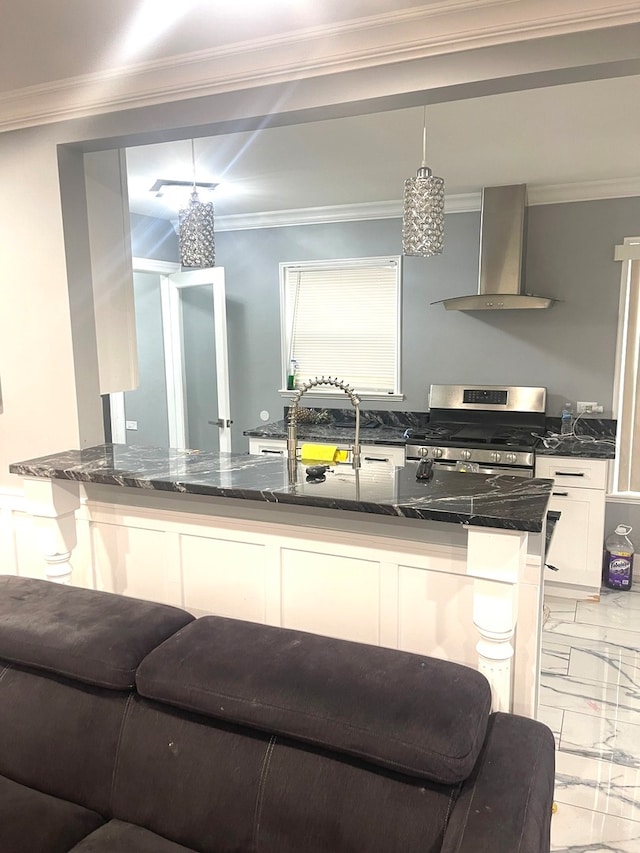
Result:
x=505 y=804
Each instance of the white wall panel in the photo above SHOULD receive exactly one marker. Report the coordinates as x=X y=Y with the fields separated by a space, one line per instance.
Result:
x=132 y=561
x=223 y=577
x=435 y=614
x=29 y=559
x=8 y=550
x=329 y=594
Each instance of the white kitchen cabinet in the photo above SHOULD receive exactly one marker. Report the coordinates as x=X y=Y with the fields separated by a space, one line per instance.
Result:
x=370 y=454
x=268 y=446
x=576 y=546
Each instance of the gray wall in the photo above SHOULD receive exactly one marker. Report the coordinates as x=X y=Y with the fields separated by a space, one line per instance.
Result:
x=153 y=238
x=147 y=405
x=623 y=513
x=569 y=348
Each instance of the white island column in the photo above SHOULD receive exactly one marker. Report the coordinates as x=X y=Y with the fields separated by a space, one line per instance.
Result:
x=496 y=560
x=52 y=505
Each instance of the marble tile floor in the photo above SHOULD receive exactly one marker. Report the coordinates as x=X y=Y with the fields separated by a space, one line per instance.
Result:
x=590 y=698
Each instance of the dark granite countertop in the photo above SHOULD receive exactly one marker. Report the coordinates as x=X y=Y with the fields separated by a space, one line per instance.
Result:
x=331 y=434
x=507 y=502
x=576 y=448
x=337 y=426
x=594 y=439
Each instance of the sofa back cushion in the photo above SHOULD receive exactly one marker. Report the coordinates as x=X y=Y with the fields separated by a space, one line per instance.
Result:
x=58 y=736
x=405 y=712
x=212 y=786
x=95 y=637
x=68 y=658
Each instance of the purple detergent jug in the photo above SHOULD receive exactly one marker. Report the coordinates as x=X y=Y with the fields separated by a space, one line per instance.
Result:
x=618 y=559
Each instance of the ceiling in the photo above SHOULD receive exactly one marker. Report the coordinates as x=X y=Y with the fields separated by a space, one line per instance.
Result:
x=585 y=135
x=43 y=40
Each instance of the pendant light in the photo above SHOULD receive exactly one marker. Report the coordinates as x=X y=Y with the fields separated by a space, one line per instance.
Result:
x=423 y=212
x=195 y=228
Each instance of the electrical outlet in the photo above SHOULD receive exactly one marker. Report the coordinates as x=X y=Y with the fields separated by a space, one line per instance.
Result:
x=131 y=424
x=588 y=408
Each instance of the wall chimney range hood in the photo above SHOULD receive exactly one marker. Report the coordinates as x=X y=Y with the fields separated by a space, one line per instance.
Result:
x=502 y=225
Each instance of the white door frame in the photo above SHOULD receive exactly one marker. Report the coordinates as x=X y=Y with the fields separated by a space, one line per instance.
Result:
x=172 y=280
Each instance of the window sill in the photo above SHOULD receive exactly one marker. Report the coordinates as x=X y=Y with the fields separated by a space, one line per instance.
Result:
x=339 y=395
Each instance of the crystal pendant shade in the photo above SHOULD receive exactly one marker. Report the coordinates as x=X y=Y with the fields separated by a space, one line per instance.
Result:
x=195 y=234
x=423 y=214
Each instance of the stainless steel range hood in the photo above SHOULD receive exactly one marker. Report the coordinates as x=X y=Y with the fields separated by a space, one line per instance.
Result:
x=501 y=255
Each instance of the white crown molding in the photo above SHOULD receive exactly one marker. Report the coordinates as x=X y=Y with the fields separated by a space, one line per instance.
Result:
x=460 y=203
x=362 y=43
x=310 y=216
x=583 y=191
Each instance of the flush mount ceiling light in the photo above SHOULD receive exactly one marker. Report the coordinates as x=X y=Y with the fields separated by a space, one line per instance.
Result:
x=195 y=228
x=162 y=184
x=423 y=212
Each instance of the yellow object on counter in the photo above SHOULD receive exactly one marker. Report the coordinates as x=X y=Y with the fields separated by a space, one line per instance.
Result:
x=323 y=453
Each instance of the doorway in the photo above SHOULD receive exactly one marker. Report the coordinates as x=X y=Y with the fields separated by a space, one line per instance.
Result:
x=182 y=399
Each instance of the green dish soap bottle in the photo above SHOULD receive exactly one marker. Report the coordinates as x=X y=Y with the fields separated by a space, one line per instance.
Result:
x=291 y=376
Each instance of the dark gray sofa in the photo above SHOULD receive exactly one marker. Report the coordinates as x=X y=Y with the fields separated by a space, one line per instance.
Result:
x=130 y=727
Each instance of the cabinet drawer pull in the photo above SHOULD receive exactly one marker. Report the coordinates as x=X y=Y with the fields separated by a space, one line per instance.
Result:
x=375 y=459
x=275 y=452
x=569 y=473
x=560 y=494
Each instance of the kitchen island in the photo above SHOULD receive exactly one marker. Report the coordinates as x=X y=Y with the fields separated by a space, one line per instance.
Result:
x=450 y=567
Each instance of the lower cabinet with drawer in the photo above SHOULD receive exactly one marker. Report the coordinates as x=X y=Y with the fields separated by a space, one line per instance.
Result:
x=267 y=446
x=579 y=495
x=370 y=454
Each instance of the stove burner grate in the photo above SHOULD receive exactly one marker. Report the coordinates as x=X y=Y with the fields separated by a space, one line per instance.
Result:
x=474 y=435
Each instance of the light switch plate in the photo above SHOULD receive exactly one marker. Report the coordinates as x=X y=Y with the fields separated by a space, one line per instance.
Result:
x=131 y=424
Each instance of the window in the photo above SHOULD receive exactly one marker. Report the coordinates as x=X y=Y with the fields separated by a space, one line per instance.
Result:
x=342 y=318
x=627 y=385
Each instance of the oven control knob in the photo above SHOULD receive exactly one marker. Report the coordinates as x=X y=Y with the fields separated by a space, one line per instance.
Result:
x=511 y=458
x=495 y=456
x=465 y=454
x=437 y=452
x=424 y=451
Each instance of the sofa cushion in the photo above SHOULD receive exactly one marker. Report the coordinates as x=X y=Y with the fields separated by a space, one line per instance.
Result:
x=60 y=736
x=31 y=822
x=95 y=637
x=119 y=837
x=213 y=786
x=506 y=802
x=403 y=711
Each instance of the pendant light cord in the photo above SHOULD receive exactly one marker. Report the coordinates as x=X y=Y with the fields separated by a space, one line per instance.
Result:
x=424 y=138
x=193 y=163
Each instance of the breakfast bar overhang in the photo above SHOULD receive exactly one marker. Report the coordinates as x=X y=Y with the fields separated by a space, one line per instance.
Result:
x=450 y=567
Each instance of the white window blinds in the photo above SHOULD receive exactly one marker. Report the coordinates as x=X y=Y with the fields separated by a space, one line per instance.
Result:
x=341 y=318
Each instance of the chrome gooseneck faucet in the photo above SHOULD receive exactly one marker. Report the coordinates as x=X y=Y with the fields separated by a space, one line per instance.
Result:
x=292 y=421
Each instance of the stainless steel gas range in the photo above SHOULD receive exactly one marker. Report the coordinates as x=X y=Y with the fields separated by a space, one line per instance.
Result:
x=488 y=428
